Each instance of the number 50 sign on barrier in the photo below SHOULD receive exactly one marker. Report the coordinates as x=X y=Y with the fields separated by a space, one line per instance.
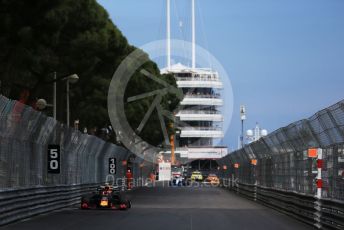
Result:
x=53 y=159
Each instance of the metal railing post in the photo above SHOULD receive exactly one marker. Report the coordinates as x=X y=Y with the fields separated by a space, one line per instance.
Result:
x=319 y=183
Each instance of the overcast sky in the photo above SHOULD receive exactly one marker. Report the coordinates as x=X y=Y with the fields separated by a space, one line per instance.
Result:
x=284 y=58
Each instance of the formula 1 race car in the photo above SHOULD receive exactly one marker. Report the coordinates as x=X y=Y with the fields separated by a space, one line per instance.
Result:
x=106 y=197
x=177 y=181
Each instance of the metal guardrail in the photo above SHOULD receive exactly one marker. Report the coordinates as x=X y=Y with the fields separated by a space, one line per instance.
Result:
x=299 y=206
x=18 y=204
x=332 y=214
x=324 y=214
x=23 y=203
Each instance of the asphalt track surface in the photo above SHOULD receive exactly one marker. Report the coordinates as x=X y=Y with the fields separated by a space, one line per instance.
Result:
x=163 y=208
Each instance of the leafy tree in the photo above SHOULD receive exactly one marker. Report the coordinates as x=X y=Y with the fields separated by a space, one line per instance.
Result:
x=68 y=36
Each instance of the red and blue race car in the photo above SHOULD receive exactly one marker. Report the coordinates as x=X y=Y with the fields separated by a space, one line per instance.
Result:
x=106 y=197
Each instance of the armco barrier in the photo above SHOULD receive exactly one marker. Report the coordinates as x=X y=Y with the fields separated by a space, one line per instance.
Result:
x=324 y=214
x=23 y=203
x=299 y=206
x=332 y=214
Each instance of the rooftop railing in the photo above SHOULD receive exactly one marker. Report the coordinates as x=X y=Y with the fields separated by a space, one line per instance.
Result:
x=202 y=128
x=199 y=78
x=199 y=95
x=199 y=112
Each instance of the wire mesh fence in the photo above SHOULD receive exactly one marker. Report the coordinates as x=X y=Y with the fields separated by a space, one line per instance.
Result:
x=281 y=161
x=25 y=135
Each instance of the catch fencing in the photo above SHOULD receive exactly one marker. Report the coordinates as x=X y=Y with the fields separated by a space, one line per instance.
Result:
x=25 y=135
x=84 y=162
x=278 y=170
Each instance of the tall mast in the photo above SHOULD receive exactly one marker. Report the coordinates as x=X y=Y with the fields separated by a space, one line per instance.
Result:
x=168 y=35
x=193 y=35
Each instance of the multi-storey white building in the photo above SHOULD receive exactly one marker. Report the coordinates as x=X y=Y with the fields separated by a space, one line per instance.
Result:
x=199 y=118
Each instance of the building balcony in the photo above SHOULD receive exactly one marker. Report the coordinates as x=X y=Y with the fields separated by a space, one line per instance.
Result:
x=210 y=132
x=199 y=82
x=207 y=152
x=202 y=100
x=199 y=115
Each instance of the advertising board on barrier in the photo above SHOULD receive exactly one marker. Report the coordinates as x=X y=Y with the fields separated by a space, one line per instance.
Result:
x=164 y=171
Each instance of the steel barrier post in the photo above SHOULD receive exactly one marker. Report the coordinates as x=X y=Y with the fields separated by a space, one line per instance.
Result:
x=255 y=181
x=319 y=184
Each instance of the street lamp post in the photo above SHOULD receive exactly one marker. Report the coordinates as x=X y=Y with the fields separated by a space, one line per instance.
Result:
x=54 y=98
x=70 y=79
x=68 y=112
x=242 y=118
